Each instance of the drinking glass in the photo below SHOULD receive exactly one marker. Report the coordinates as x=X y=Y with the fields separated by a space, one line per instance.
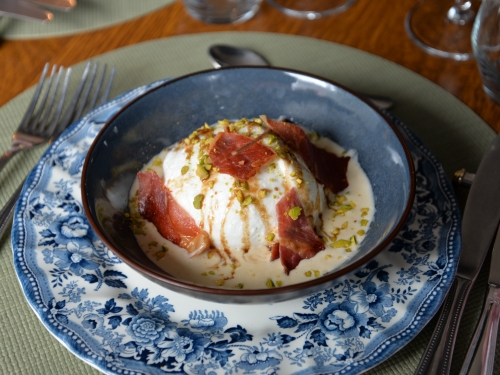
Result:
x=222 y=11
x=443 y=27
x=486 y=46
x=311 y=9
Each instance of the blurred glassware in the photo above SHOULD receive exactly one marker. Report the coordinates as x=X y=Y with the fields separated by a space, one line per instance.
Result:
x=443 y=27
x=486 y=46
x=222 y=11
x=311 y=9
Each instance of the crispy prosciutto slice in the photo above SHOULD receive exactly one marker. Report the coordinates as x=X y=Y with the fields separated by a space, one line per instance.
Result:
x=243 y=164
x=157 y=205
x=297 y=238
x=328 y=169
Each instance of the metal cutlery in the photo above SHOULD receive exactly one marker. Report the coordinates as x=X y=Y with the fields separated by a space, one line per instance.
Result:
x=81 y=101
x=223 y=55
x=37 y=124
x=65 y=5
x=479 y=224
x=480 y=357
x=24 y=10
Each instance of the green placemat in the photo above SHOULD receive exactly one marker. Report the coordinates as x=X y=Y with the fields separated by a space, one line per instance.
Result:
x=456 y=135
x=87 y=15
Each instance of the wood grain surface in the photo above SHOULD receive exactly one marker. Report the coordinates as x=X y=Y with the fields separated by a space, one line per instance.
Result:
x=373 y=26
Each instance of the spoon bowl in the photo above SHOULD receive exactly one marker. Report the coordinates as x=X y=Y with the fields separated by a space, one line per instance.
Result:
x=222 y=55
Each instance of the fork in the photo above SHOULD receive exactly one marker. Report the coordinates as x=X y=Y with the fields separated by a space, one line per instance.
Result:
x=35 y=128
x=74 y=111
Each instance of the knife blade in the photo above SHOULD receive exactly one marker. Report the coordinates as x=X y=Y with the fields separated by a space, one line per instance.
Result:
x=480 y=357
x=65 y=5
x=23 y=10
x=479 y=224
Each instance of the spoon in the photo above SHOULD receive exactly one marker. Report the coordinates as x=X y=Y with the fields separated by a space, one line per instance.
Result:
x=223 y=55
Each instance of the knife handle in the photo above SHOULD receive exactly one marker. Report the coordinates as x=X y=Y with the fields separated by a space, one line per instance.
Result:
x=480 y=358
x=437 y=357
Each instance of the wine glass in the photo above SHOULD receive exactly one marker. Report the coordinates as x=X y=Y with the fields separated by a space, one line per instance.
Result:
x=311 y=9
x=443 y=27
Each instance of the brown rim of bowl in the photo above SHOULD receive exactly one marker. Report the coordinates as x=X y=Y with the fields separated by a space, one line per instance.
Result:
x=161 y=277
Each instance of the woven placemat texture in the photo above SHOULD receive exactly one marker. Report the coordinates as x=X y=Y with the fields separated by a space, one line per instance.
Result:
x=86 y=16
x=456 y=135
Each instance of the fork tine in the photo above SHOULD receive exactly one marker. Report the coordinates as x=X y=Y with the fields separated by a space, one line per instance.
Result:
x=47 y=109
x=31 y=125
x=85 y=93
x=107 y=90
x=34 y=99
x=66 y=120
x=78 y=102
x=52 y=123
x=99 y=85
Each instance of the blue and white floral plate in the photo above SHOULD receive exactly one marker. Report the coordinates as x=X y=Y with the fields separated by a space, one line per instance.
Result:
x=119 y=322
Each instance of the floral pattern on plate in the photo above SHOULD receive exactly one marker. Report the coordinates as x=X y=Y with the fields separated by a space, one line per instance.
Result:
x=121 y=323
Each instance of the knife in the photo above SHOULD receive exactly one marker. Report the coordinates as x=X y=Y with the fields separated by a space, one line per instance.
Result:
x=480 y=357
x=479 y=224
x=65 y=5
x=24 y=10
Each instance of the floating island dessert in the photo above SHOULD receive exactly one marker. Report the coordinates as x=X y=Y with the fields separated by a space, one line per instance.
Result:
x=251 y=204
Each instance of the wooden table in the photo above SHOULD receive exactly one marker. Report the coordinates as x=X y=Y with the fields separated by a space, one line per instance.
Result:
x=373 y=26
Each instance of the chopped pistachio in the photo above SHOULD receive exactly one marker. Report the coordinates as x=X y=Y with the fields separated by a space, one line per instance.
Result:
x=299 y=181
x=219 y=282
x=270 y=283
x=247 y=201
x=339 y=199
x=316 y=273
x=341 y=244
x=336 y=231
x=157 y=162
x=210 y=254
x=328 y=256
x=239 y=286
x=293 y=174
x=201 y=172
x=279 y=283
x=262 y=193
x=211 y=184
x=364 y=223
x=204 y=274
x=244 y=185
x=294 y=212
x=353 y=240
x=270 y=237
x=308 y=273
x=272 y=166
x=361 y=232
x=352 y=204
x=211 y=272
x=348 y=250
x=345 y=225
x=257 y=121
x=198 y=201
x=159 y=255
x=184 y=170
x=239 y=196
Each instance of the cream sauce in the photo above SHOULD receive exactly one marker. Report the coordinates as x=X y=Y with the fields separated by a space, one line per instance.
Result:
x=239 y=257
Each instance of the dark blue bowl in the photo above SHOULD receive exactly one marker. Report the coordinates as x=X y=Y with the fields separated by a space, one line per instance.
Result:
x=173 y=110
